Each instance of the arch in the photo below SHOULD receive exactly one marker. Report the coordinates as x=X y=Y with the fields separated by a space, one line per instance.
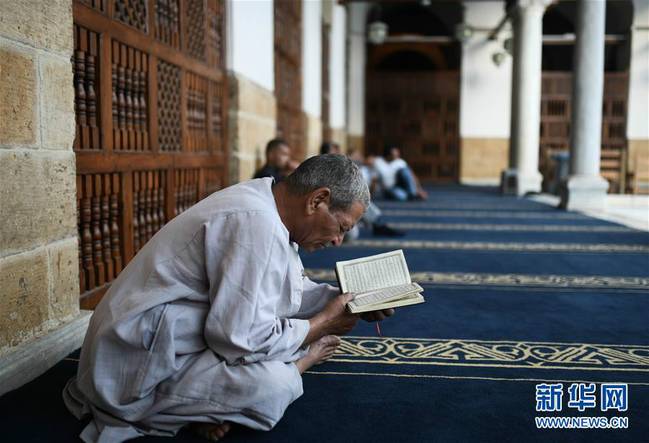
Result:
x=421 y=56
x=560 y=19
x=416 y=19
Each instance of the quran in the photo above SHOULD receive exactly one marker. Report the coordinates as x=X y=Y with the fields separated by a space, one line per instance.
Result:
x=378 y=282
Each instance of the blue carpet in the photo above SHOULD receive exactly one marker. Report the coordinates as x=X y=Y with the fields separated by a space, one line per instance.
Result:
x=506 y=310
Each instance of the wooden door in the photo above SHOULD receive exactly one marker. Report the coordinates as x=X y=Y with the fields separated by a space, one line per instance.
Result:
x=288 y=74
x=150 y=96
x=556 y=113
x=419 y=112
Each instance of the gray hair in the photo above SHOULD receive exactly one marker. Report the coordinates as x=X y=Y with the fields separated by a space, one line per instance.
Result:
x=336 y=172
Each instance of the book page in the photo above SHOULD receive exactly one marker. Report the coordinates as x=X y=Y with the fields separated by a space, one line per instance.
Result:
x=413 y=299
x=374 y=272
x=386 y=294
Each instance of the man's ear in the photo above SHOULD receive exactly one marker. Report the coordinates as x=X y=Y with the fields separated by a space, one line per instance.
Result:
x=316 y=198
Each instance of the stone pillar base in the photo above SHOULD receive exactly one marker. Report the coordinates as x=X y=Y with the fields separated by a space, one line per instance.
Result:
x=29 y=360
x=512 y=182
x=583 y=192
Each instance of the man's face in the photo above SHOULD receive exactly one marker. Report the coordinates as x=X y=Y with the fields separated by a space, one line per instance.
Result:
x=395 y=153
x=323 y=227
x=279 y=156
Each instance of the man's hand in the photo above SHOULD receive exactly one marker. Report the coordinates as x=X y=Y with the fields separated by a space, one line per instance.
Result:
x=377 y=315
x=334 y=319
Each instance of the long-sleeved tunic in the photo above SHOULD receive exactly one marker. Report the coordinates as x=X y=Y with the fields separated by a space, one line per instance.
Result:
x=201 y=326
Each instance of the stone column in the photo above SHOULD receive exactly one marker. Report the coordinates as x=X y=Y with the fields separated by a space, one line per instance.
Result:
x=356 y=43
x=523 y=175
x=585 y=188
x=312 y=75
x=337 y=76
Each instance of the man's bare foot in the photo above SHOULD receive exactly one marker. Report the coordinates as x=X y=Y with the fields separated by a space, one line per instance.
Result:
x=319 y=351
x=210 y=431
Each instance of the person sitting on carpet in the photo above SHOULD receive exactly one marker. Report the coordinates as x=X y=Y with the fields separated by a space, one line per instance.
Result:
x=278 y=155
x=213 y=322
x=372 y=214
x=396 y=178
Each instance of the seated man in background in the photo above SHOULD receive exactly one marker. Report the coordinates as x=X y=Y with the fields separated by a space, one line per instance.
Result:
x=330 y=148
x=213 y=321
x=373 y=213
x=278 y=155
x=396 y=178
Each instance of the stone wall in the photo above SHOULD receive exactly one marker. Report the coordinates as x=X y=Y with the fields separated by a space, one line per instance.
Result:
x=639 y=166
x=313 y=134
x=252 y=113
x=356 y=143
x=38 y=243
x=339 y=135
x=482 y=160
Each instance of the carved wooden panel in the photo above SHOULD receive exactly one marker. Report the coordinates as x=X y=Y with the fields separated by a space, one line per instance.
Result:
x=150 y=123
x=130 y=98
x=218 y=117
x=99 y=5
x=195 y=21
x=420 y=114
x=85 y=64
x=213 y=180
x=197 y=98
x=169 y=123
x=167 y=22
x=132 y=13
x=556 y=109
x=215 y=27
x=288 y=62
x=613 y=166
x=98 y=216
x=556 y=114
x=149 y=191
x=187 y=189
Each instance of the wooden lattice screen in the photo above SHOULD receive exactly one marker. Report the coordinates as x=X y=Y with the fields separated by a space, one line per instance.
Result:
x=149 y=92
x=288 y=74
x=556 y=109
x=419 y=112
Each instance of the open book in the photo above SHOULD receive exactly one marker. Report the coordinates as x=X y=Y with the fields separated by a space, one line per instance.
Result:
x=379 y=282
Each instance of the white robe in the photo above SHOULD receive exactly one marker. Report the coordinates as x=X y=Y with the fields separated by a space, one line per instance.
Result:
x=201 y=326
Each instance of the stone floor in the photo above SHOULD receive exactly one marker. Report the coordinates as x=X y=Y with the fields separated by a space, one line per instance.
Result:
x=627 y=210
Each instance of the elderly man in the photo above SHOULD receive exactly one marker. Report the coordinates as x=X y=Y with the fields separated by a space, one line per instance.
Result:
x=213 y=322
